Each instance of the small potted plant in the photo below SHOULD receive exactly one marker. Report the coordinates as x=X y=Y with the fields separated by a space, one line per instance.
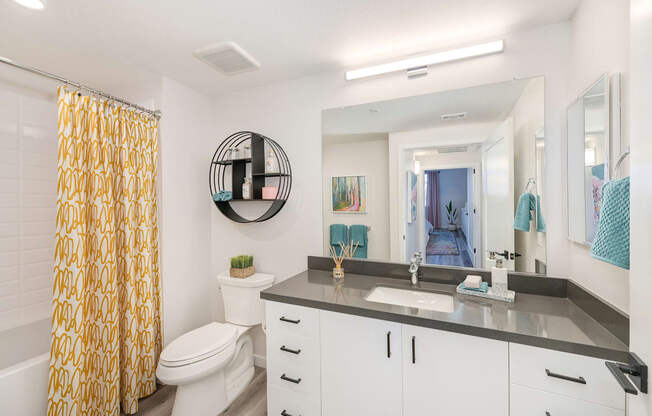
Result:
x=452 y=216
x=242 y=266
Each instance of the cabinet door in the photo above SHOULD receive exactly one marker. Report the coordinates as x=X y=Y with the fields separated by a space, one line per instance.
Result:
x=453 y=374
x=360 y=366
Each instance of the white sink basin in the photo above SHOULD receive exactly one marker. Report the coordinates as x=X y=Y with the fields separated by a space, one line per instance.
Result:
x=412 y=298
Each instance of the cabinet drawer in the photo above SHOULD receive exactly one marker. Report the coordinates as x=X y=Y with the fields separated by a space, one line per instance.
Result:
x=282 y=402
x=525 y=401
x=284 y=318
x=287 y=349
x=562 y=373
x=292 y=376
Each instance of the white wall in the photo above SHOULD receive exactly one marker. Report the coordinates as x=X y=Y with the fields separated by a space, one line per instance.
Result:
x=528 y=115
x=641 y=194
x=189 y=288
x=599 y=43
x=368 y=158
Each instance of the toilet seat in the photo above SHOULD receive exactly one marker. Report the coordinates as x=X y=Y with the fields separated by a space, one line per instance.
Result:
x=199 y=344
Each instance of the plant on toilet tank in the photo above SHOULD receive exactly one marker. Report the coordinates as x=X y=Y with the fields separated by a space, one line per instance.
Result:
x=242 y=266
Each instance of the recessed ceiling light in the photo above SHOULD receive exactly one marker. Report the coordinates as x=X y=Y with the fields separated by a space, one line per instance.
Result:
x=32 y=4
x=419 y=64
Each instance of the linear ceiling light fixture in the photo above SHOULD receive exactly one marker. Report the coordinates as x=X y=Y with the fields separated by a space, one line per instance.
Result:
x=32 y=4
x=432 y=59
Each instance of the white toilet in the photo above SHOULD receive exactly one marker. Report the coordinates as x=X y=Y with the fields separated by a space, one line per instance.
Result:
x=213 y=364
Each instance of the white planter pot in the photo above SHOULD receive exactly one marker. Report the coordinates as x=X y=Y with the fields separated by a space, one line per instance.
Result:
x=452 y=227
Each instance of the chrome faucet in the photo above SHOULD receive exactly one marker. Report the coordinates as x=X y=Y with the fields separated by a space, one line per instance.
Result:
x=414 y=267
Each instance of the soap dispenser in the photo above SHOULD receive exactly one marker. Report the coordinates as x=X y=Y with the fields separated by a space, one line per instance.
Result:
x=499 y=278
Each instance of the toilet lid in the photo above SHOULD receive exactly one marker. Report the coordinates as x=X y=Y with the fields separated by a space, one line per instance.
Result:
x=199 y=344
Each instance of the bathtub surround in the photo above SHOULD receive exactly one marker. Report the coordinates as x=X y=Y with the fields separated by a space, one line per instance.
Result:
x=106 y=273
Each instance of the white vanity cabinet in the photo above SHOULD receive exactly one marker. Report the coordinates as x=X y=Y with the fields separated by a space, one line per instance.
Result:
x=360 y=366
x=333 y=364
x=448 y=373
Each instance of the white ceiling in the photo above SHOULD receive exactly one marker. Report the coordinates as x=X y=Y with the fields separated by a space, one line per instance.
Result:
x=485 y=103
x=100 y=42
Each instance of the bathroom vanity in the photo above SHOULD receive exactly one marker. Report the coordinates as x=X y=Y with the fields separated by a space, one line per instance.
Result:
x=331 y=350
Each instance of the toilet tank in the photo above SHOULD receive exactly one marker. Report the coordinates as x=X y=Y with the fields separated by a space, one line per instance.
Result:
x=242 y=302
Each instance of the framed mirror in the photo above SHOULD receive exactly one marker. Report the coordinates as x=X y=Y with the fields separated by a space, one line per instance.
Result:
x=452 y=174
x=588 y=159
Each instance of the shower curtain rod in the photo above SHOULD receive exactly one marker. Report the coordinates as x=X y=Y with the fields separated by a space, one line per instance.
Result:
x=155 y=113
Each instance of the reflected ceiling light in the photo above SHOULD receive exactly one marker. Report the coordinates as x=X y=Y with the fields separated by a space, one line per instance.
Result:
x=417 y=167
x=32 y=4
x=432 y=59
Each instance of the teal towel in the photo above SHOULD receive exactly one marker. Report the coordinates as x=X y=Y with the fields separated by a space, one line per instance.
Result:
x=611 y=242
x=484 y=287
x=338 y=233
x=222 y=196
x=541 y=224
x=526 y=204
x=358 y=234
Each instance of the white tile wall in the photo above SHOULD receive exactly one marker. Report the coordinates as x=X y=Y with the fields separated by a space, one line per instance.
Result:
x=28 y=156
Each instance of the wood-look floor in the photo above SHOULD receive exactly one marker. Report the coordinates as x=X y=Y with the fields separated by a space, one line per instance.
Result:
x=463 y=259
x=252 y=401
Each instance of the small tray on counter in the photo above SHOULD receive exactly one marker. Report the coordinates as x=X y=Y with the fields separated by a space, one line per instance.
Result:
x=489 y=294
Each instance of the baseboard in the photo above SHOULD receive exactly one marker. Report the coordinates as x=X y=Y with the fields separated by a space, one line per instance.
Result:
x=260 y=361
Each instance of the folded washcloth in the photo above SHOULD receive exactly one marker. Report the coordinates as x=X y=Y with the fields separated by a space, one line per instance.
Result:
x=223 y=196
x=541 y=224
x=338 y=234
x=358 y=235
x=611 y=242
x=484 y=287
x=526 y=204
x=472 y=281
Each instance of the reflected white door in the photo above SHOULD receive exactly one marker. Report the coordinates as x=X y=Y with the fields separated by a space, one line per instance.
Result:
x=498 y=184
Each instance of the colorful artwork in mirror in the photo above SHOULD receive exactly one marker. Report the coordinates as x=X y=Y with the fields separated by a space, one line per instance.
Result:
x=349 y=194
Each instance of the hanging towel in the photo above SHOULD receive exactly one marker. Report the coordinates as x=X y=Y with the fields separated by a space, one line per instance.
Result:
x=358 y=235
x=338 y=234
x=611 y=242
x=222 y=196
x=526 y=204
x=541 y=224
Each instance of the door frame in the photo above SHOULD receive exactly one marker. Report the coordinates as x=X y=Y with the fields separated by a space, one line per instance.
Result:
x=477 y=197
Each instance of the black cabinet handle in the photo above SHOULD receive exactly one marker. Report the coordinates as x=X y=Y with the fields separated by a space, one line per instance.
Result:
x=286 y=349
x=389 y=348
x=547 y=413
x=414 y=358
x=619 y=372
x=285 y=413
x=292 y=321
x=579 y=380
x=291 y=380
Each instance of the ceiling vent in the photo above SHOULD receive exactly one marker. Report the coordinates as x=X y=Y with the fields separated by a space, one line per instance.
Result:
x=453 y=116
x=227 y=57
x=451 y=149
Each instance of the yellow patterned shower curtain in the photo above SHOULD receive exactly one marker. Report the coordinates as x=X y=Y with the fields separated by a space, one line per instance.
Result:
x=106 y=320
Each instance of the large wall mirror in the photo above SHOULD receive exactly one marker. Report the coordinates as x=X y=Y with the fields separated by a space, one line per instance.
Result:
x=454 y=174
x=588 y=159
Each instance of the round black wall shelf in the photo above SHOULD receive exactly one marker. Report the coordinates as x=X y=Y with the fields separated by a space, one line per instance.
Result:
x=222 y=163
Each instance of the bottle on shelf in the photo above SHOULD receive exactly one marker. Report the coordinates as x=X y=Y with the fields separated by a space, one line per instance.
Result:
x=271 y=163
x=247 y=189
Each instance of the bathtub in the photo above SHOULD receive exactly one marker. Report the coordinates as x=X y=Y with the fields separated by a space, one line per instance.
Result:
x=24 y=361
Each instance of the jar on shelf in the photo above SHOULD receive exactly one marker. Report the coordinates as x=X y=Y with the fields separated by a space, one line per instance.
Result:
x=246 y=153
x=247 y=189
x=234 y=153
x=271 y=163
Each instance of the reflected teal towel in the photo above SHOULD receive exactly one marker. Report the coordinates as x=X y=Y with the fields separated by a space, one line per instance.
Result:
x=611 y=242
x=338 y=233
x=541 y=224
x=222 y=196
x=484 y=287
x=358 y=234
x=526 y=204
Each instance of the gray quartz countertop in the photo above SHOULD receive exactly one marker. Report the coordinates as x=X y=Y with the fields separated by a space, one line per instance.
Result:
x=542 y=321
